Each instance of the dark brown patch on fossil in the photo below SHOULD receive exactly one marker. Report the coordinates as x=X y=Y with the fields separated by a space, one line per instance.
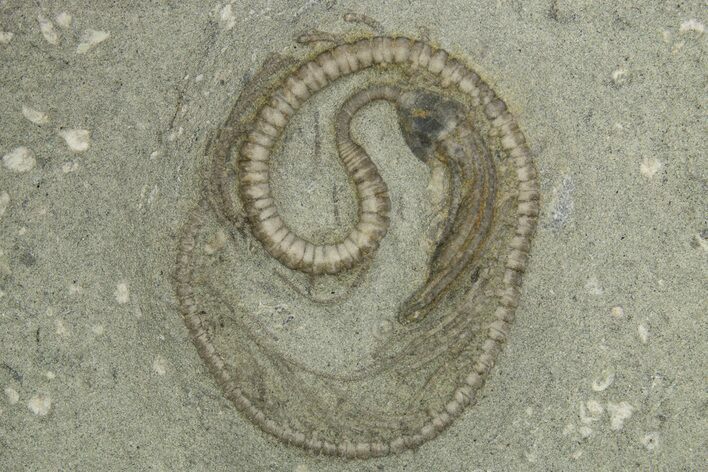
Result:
x=425 y=119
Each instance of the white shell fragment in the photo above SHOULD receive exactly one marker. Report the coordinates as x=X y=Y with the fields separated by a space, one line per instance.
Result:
x=90 y=39
x=4 y=202
x=227 y=17
x=651 y=440
x=47 y=29
x=63 y=19
x=35 y=116
x=159 y=365
x=11 y=395
x=20 y=159
x=649 y=167
x=122 y=293
x=40 y=404
x=604 y=381
x=619 y=413
x=78 y=140
x=6 y=37
x=692 y=25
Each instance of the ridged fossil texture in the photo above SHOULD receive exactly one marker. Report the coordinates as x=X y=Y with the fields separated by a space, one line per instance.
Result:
x=315 y=381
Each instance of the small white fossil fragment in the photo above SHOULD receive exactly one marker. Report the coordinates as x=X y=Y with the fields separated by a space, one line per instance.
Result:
x=6 y=37
x=531 y=455
x=593 y=286
x=620 y=76
x=60 y=328
x=651 y=440
x=75 y=289
x=227 y=17
x=68 y=167
x=692 y=25
x=585 y=431
x=11 y=395
x=4 y=202
x=20 y=159
x=40 y=404
x=383 y=329
x=649 y=167
x=437 y=185
x=643 y=332
x=78 y=140
x=47 y=29
x=122 y=293
x=90 y=39
x=595 y=408
x=590 y=412
x=35 y=116
x=604 y=381
x=159 y=365
x=678 y=45
x=617 y=312
x=701 y=240
x=63 y=19
x=619 y=413
x=562 y=204
x=215 y=243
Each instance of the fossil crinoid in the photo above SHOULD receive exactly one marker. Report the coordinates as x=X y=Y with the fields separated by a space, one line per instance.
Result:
x=358 y=395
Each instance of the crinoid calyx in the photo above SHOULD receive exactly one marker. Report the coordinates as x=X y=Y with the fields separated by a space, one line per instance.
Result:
x=279 y=307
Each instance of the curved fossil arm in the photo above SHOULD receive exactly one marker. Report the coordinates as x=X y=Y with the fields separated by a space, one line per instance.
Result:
x=282 y=243
x=469 y=217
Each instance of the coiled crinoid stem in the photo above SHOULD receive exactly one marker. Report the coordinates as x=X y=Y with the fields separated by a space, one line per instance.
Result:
x=280 y=241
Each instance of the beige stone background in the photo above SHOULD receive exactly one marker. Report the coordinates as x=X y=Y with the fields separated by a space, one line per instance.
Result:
x=104 y=109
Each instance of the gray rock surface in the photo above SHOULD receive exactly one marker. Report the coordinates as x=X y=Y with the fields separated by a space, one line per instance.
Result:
x=106 y=106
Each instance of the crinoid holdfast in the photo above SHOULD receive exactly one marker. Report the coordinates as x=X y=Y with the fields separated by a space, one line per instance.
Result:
x=358 y=394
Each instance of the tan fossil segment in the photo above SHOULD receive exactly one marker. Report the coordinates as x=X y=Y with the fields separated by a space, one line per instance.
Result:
x=448 y=331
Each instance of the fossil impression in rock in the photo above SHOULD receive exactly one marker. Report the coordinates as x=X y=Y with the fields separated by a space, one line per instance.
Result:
x=403 y=385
